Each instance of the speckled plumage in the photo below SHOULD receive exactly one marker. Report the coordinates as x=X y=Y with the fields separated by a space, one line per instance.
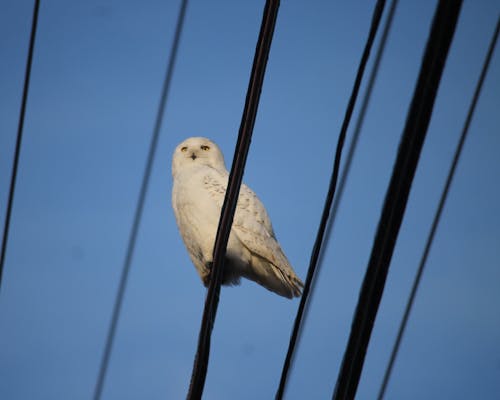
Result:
x=200 y=180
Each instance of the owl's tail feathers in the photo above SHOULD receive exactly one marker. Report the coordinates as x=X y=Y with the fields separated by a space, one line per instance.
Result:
x=293 y=284
x=281 y=280
x=285 y=283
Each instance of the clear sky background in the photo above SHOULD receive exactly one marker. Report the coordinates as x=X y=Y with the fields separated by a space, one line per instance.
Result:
x=97 y=73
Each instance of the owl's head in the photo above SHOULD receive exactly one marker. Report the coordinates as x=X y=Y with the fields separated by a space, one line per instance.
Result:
x=196 y=151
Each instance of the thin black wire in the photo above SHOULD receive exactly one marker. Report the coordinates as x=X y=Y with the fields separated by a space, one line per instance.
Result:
x=235 y=177
x=376 y=17
x=357 y=128
x=140 y=205
x=352 y=146
x=20 y=127
x=417 y=122
x=437 y=216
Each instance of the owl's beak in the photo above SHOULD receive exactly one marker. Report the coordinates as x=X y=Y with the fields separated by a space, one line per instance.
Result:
x=193 y=156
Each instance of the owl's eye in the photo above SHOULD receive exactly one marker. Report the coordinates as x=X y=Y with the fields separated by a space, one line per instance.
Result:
x=203 y=147
x=183 y=149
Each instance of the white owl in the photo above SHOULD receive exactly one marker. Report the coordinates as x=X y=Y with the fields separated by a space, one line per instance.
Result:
x=200 y=180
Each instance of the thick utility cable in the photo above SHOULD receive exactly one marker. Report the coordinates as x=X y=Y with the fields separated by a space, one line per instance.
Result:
x=235 y=177
x=140 y=205
x=417 y=122
x=17 y=150
x=437 y=216
x=376 y=17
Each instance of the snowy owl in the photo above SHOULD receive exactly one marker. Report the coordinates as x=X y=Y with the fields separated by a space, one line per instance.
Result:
x=200 y=180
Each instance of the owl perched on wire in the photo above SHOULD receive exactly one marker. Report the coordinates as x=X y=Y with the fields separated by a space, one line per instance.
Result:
x=200 y=181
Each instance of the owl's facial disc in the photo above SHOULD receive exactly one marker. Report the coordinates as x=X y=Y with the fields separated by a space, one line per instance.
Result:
x=197 y=152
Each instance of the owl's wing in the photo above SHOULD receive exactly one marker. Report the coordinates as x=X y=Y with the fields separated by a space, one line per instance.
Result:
x=253 y=228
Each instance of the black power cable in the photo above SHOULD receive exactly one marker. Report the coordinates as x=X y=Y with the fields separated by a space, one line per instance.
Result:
x=377 y=15
x=235 y=178
x=357 y=130
x=352 y=147
x=417 y=122
x=20 y=127
x=437 y=216
x=140 y=206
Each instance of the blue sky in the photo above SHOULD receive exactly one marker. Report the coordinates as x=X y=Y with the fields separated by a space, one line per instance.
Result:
x=97 y=73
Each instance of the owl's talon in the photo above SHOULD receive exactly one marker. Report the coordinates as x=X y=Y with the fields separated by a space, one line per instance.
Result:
x=207 y=274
